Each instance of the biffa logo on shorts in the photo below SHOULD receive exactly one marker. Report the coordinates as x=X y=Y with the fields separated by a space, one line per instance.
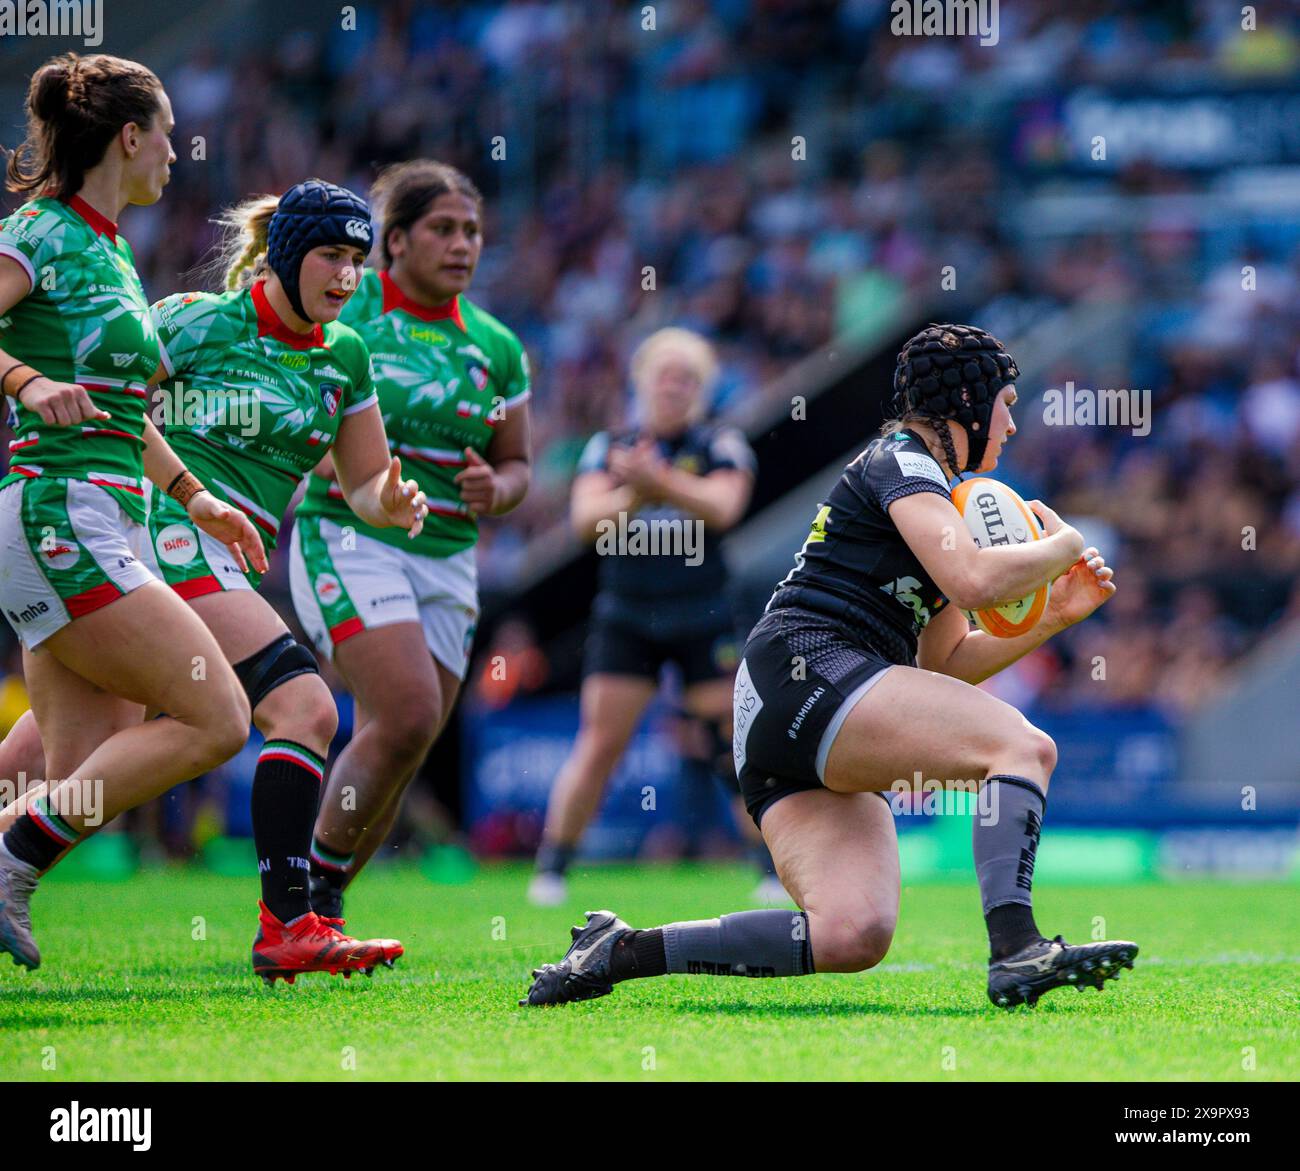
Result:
x=176 y=544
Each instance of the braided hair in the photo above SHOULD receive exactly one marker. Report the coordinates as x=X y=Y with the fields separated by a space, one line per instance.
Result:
x=953 y=372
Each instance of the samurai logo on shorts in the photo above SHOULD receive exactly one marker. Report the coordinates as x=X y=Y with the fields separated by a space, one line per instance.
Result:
x=330 y=394
x=327 y=588
x=176 y=544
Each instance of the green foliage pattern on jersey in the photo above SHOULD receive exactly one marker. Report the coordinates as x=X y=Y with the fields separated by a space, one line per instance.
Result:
x=444 y=384
x=248 y=413
x=86 y=320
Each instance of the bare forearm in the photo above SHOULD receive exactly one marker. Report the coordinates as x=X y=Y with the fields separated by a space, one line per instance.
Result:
x=366 y=499
x=161 y=464
x=980 y=656
x=713 y=503
x=513 y=475
x=1008 y=572
x=588 y=511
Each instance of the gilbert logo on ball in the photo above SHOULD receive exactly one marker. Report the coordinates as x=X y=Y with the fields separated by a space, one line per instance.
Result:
x=995 y=515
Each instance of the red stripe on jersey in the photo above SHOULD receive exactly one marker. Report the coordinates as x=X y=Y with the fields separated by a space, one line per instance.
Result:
x=92 y=599
x=111 y=484
x=133 y=391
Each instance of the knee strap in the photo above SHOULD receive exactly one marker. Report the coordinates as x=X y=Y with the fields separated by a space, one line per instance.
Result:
x=275 y=663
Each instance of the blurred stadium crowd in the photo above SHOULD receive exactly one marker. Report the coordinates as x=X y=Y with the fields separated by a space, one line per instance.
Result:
x=629 y=148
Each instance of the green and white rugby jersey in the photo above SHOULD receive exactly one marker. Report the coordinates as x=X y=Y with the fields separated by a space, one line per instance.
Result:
x=248 y=404
x=446 y=378
x=86 y=320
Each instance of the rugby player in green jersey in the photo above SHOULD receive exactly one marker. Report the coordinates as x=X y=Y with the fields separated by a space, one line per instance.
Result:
x=102 y=639
x=397 y=617
x=259 y=381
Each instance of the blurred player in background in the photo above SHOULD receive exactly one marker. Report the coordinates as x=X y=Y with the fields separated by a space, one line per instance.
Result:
x=101 y=638
x=280 y=379
x=671 y=469
x=860 y=673
x=397 y=616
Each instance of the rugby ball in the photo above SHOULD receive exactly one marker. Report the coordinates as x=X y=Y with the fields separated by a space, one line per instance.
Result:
x=995 y=515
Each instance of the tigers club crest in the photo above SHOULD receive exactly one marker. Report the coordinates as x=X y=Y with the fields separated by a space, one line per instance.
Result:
x=330 y=395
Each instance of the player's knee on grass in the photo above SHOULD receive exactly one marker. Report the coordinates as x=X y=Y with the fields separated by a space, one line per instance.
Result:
x=850 y=939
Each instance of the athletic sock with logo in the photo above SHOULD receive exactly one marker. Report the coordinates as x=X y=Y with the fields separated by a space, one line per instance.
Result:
x=286 y=789
x=747 y=943
x=40 y=835
x=1005 y=846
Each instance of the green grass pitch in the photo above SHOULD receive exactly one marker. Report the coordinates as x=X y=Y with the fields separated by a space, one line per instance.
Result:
x=126 y=991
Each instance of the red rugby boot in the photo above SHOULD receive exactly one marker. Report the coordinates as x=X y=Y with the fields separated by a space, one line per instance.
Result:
x=312 y=944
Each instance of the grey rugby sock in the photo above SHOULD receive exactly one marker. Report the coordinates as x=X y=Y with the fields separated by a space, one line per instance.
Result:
x=747 y=943
x=1005 y=849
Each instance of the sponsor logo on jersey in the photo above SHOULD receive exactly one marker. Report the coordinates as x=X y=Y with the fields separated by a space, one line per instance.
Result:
x=468 y=410
x=176 y=544
x=292 y=361
x=60 y=553
x=28 y=613
x=912 y=463
x=120 y=360
x=327 y=588
x=330 y=394
x=328 y=372
x=422 y=333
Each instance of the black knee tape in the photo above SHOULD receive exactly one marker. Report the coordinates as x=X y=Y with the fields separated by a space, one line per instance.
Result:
x=275 y=663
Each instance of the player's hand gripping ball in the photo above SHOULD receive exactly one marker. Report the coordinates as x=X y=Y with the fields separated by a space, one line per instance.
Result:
x=996 y=515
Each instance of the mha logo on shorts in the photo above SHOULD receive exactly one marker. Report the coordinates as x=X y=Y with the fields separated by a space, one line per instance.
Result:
x=29 y=613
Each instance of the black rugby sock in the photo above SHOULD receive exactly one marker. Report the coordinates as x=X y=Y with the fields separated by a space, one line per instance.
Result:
x=554 y=858
x=40 y=835
x=639 y=955
x=1005 y=846
x=286 y=789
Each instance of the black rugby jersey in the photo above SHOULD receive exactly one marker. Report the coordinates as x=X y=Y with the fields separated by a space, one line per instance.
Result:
x=855 y=565
x=649 y=576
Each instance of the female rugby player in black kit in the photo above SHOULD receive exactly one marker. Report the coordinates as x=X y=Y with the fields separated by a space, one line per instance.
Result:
x=671 y=470
x=861 y=672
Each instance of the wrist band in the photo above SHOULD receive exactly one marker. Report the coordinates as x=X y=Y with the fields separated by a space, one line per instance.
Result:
x=5 y=376
x=184 y=488
x=24 y=386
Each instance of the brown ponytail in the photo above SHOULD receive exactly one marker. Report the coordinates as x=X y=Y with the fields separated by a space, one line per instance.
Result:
x=75 y=107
